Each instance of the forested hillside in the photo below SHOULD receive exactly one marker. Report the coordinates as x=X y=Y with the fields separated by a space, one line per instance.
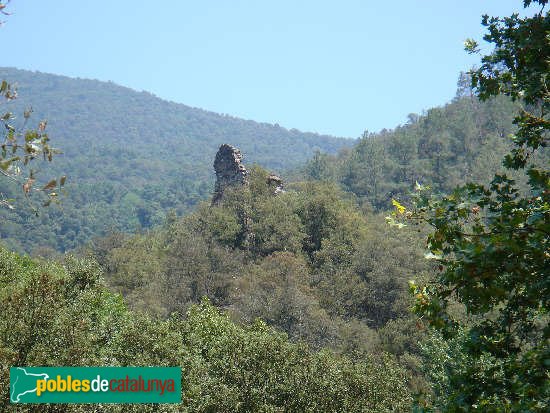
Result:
x=406 y=271
x=130 y=157
x=464 y=140
x=308 y=262
x=319 y=262
x=62 y=314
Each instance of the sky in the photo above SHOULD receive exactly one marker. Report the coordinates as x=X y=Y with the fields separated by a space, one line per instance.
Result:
x=335 y=67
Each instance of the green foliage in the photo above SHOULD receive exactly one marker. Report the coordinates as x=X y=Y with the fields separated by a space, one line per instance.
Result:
x=274 y=228
x=492 y=242
x=312 y=282
x=52 y=314
x=19 y=148
x=252 y=368
x=131 y=157
x=307 y=261
x=440 y=357
x=443 y=148
x=277 y=291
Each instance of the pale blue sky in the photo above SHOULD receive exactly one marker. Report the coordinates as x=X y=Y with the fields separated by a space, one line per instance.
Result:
x=335 y=67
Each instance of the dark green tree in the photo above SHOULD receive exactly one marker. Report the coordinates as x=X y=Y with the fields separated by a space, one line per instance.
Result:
x=492 y=243
x=62 y=314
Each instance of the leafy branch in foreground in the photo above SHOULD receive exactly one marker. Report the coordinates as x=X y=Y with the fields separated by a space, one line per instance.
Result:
x=20 y=146
x=492 y=242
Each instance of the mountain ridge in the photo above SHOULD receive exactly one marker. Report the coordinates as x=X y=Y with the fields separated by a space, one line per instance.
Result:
x=8 y=72
x=126 y=151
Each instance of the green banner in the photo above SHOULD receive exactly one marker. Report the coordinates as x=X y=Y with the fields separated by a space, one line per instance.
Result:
x=95 y=384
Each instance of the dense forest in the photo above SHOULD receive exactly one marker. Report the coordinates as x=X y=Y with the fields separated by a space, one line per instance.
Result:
x=119 y=182
x=404 y=271
x=130 y=157
x=462 y=141
x=226 y=367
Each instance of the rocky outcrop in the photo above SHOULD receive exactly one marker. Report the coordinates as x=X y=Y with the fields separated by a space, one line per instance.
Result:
x=230 y=172
x=275 y=183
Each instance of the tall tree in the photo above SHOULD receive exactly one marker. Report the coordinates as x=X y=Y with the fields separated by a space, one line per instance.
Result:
x=492 y=243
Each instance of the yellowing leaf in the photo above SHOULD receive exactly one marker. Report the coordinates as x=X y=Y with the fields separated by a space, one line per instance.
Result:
x=432 y=256
x=400 y=208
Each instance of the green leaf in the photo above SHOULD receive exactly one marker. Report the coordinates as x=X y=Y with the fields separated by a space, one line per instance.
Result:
x=31 y=136
x=4 y=165
x=432 y=256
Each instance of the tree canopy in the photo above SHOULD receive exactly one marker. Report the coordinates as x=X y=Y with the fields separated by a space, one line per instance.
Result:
x=492 y=242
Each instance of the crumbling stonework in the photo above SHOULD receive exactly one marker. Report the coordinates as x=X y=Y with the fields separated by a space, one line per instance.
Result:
x=230 y=171
x=275 y=183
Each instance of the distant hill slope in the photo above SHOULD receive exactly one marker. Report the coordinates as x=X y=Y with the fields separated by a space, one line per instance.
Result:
x=130 y=156
x=462 y=141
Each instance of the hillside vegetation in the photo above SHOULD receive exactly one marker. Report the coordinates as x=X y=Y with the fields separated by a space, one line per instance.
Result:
x=462 y=141
x=319 y=262
x=314 y=297
x=62 y=315
x=130 y=157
